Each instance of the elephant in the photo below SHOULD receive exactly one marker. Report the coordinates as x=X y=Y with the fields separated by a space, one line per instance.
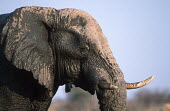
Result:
x=43 y=48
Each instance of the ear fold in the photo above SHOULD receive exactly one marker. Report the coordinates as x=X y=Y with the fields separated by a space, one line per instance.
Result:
x=26 y=46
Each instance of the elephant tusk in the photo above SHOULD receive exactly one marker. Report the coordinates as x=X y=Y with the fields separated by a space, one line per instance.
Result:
x=113 y=87
x=109 y=86
x=139 y=84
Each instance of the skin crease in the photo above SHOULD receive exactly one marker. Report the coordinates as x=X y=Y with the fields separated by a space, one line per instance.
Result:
x=52 y=48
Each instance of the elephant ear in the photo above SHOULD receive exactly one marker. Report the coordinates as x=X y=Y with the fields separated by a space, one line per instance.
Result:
x=25 y=40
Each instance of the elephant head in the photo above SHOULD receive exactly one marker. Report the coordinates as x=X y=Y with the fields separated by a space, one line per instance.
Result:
x=66 y=46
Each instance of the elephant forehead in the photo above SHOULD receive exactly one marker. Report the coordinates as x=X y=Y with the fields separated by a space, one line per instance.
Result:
x=76 y=17
x=78 y=20
x=83 y=24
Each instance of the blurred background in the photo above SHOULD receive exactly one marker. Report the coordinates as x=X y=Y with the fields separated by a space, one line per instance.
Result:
x=138 y=32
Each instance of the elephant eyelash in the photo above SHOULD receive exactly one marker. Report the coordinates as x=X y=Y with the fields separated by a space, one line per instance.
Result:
x=102 y=80
x=84 y=48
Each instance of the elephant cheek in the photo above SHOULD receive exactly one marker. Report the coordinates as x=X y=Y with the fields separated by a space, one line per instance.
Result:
x=112 y=100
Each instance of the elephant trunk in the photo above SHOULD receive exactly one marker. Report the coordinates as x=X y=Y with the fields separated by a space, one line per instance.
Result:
x=114 y=98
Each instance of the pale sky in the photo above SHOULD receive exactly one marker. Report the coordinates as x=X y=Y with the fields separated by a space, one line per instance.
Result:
x=138 y=32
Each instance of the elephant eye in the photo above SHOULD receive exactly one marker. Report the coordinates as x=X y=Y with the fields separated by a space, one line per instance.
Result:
x=84 y=51
x=116 y=80
x=102 y=80
x=84 y=48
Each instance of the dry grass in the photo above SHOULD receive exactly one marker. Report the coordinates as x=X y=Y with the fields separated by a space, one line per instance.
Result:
x=145 y=100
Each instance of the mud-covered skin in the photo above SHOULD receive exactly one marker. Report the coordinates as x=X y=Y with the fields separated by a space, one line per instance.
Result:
x=19 y=91
x=11 y=101
x=43 y=48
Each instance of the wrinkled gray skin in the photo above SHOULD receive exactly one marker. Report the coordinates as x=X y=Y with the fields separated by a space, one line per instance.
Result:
x=43 y=48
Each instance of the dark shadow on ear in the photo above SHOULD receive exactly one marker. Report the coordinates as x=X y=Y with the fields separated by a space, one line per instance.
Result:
x=21 y=82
